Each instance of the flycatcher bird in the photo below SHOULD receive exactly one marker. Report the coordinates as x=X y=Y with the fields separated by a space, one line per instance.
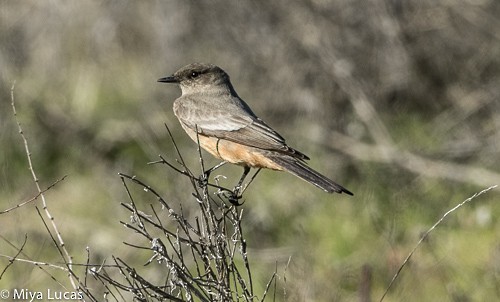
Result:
x=211 y=112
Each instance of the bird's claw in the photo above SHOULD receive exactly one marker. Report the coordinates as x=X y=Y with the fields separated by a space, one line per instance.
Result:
x=235 y=196
x=234 y=199
x=202 y=180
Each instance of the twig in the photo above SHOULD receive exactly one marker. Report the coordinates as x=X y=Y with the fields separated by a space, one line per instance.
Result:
x=268 y=285
x=284 y=277
x=60 y=242
x=34 y=197
x=12 y=259
x=36 y=263
x=206 y=259
x=427 y=234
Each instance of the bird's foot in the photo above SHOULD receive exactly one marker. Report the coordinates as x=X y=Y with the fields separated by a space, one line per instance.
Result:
x=203 y=180
x=235 y=195
x=234 y=199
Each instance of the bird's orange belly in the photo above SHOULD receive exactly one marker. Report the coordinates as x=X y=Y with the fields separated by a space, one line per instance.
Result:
x=234 y=153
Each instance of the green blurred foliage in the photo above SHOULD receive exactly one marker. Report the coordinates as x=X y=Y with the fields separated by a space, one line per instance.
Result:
x=86 y=95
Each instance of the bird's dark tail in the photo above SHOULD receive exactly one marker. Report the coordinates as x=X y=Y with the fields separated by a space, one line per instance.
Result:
x=300 y=169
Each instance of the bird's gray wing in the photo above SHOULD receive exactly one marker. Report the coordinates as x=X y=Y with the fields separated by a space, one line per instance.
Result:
x=232 y=121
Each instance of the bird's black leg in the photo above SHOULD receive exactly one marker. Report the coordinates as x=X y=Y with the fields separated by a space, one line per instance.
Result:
x=203 y=179
x=237 y=189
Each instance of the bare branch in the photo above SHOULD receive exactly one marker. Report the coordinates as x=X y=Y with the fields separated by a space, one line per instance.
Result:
x=426 y=234
x=12 y=259
x=60 y=242
x=34 y=197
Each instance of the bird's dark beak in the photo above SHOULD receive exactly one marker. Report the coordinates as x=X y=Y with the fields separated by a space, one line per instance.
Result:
x=170 y=79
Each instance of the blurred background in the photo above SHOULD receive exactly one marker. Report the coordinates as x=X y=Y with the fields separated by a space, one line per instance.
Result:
x=396 y=100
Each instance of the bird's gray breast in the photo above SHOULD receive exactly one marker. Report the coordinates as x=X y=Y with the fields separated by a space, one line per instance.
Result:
x=212 y=113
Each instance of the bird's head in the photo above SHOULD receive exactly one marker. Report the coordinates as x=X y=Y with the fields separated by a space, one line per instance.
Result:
x=199 y=78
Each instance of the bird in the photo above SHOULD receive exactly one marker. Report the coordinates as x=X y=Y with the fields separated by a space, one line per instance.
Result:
x=211 y=113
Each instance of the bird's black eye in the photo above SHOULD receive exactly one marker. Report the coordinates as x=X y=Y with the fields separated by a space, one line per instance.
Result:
x=194 y=74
